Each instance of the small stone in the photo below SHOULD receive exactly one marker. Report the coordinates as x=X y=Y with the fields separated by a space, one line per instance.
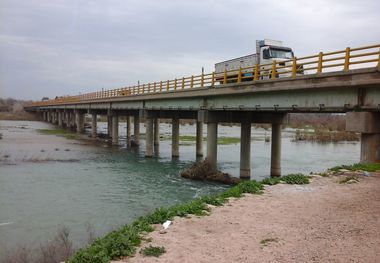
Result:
x=162 y=232
x=352 y=181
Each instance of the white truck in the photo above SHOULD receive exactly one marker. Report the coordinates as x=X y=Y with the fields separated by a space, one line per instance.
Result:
x=267 y=51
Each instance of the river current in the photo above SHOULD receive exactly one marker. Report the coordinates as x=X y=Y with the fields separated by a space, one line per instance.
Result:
x=47 y=181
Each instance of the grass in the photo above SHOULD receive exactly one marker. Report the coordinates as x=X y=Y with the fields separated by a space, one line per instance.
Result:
x=266 y=241
x=288 y=179
x=60 y=132
x=349 y=179
x=153 y=251
x=221 y=140
x=124 y=242
x=370 y=167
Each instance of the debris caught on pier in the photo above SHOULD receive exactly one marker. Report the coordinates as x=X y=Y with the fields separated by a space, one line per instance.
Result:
x=203 y=171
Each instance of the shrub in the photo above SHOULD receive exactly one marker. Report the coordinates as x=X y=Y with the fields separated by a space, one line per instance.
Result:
x=153 y=251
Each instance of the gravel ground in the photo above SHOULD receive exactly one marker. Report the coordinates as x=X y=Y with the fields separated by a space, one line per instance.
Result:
x=321 y=222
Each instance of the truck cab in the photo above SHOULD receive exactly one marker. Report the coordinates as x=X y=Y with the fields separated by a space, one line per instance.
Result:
x=273 y=50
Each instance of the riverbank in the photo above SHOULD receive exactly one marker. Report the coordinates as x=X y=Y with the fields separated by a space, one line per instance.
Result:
x=328 y=220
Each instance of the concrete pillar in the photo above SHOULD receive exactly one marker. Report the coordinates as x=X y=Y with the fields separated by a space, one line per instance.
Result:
x=245 y=150
x=94 y=125
x=199 y=139
x=149 y=137
x=368 y=124
x=109 y=125
x=128 y=130
x=212 y=143
x=79 y=120
x=60 y=119
x=156 y=131
x=275 y=164
x=44 y=116
x=48 y=114
x=370 y=148
x=115 y=129
x=136 y=130
x=175 y=137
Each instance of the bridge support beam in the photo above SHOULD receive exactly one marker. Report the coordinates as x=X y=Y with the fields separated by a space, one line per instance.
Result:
x=212 y=143
x=128 y=131
x=275 y=162
x=48 y=116
x=109 y=125
x=368 y=124
x=199 y=139
x=156 y=131
x=149 y=137
x=136 y=130
x=245 y=150
x=60 y=118
x=94 y=125
x=115 y=129
x=175 y=136
x=79 y=120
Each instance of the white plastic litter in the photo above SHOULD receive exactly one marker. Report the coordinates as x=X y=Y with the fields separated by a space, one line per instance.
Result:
x=166 y=224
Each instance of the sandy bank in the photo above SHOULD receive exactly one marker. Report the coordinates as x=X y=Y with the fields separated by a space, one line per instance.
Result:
x=321 y=222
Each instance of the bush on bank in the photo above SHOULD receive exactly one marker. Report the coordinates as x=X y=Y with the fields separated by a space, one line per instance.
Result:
x=124 y=242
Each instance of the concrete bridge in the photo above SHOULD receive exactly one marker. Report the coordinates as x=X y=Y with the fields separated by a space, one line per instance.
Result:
x=323 y=83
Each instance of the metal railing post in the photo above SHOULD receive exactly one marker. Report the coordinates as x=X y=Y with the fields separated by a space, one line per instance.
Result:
x=294 y=67
x=175 y=84
x=225 y=76
x=202 y=79
x=213 y=79
x=239 y=75
x=192 y=81
x=320 y=63
x=273 y=75
x=347 y=60
x=256 y=73
x=183 y=83
x=167 y=85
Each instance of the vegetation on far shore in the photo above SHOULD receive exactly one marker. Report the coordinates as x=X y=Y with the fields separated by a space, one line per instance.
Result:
x=60 y=132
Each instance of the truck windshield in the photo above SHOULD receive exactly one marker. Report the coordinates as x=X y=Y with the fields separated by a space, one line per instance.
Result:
x=280 y=53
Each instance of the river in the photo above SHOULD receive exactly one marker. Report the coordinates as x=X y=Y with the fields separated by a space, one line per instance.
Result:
x=47 y=181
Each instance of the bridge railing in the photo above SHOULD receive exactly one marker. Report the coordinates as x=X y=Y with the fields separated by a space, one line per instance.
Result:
x=342 y=60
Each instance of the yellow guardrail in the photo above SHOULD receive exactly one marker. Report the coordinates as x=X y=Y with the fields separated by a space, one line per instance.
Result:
x=343 y=60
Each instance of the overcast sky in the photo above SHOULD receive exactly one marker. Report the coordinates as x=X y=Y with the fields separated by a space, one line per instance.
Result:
x=63 y=47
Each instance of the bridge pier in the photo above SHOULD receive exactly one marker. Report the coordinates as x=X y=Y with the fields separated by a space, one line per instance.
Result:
x=79 y=120
x=199 y=139
x=175 y=136
x=109 y=125
x=245 y=150
x=136 y=129
x=115 y=129
x=149 y=136
x=212 y=143
x=94 y=125
x=60 y=118
x=156 y=131
x=368 y=124
x=275 y=163
x=128 y=130
x=48 y=116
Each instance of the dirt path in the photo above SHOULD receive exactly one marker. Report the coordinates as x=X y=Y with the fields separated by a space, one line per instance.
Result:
x=321 y=222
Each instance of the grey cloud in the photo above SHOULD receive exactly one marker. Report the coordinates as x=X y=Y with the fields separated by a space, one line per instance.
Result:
x=66 y=47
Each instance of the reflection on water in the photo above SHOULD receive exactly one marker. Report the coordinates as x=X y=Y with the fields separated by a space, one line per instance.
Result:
x=47 y=181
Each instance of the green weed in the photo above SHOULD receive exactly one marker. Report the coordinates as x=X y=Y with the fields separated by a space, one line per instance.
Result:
x=153 y=251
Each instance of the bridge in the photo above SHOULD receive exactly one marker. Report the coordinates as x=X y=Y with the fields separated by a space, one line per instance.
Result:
x=345 y=81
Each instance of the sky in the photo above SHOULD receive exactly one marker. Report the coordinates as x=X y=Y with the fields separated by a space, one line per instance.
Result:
x=66 y=47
